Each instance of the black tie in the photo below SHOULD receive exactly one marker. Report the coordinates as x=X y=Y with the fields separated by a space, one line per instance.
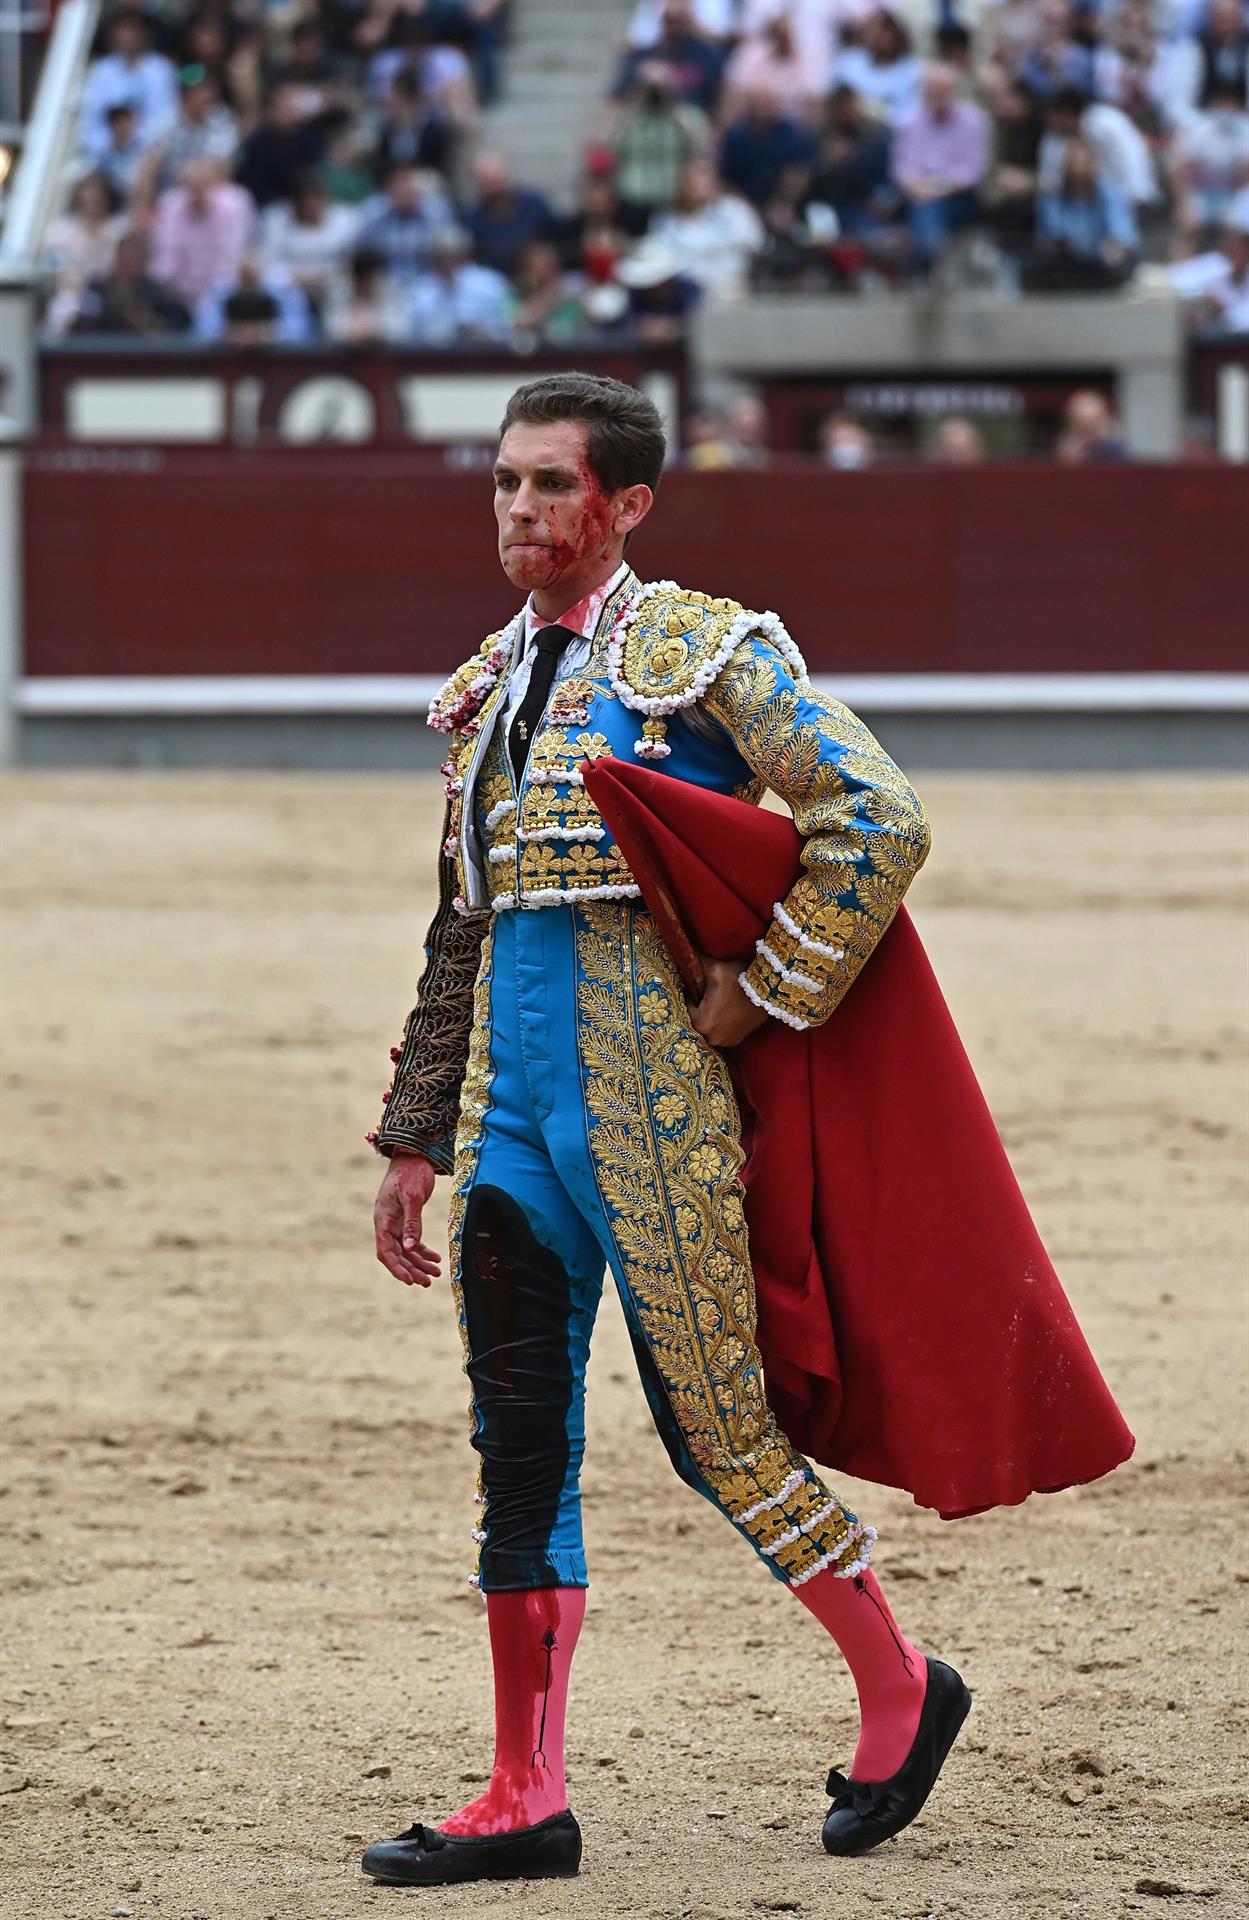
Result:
x=549 y=643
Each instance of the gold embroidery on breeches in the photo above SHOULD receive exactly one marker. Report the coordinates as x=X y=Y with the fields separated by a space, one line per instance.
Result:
x=664 y=1137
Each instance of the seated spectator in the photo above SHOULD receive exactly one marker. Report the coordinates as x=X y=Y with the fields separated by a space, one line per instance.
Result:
x=400 y=223
x=366 y=305
x=764 y=149
x=284 y=146
x=717 y=234
x=1214 y=286
x=801 y=243
x=504 y=219
x=661 y=295
x=548 y=305
x=882 y=67
x=1091 y=432
x=258 y=306
x=1086 y=232
x=654 y=136
x=308 y=238
x=230 y=47
x=746 y=429
x=205 y=125
x=957 y=443
x=129 y=299
x=714 y=19
x=456 y=302
x=1123 y=156
x=1193 y=67
x=419 y=43
x=940 y=158
x=345 y=170
x=81 y=244
x=775 y=58
x=123 y=159
x=130 y=75
x=851 y=172
x=952 y=47
x=415 y=131
x=1209 y=162
x=845 y=443
x=201 y=230
x=1008 y=197
x=311 y=71
x=594 y=237
x=694 y=64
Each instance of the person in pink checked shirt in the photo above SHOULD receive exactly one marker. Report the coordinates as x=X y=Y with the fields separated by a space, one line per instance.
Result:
x=202 y=230
x=940 y=157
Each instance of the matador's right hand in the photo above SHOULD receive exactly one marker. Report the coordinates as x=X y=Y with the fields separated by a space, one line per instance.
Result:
x=397 y=1220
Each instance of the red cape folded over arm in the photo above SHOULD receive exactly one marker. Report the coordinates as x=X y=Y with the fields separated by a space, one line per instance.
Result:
x=913 y=1330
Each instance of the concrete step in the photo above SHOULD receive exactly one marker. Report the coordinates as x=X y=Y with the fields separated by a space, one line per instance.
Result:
x=557 y=69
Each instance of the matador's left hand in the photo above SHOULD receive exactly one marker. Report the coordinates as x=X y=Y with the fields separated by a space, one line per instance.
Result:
x=725 y=1016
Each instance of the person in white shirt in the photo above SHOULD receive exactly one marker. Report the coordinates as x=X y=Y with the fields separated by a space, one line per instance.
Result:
x=308 y=237
x=1122 y=153
x=882 y=68
x=129 y=75
x=716 y=233
x=1209 y=163
x=457 y=300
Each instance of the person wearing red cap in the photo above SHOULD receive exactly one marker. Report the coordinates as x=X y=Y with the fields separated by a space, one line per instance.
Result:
x=584 y=1111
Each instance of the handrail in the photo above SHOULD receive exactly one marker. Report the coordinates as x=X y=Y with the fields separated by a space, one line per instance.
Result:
x=48 y=138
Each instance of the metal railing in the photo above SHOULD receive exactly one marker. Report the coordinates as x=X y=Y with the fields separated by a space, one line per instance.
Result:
x=45 y=149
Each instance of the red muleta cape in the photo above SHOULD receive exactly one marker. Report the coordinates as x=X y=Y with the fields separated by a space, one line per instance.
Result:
x=913 y=1330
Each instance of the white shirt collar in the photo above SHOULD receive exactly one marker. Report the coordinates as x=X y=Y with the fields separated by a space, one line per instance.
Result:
x=583 y=617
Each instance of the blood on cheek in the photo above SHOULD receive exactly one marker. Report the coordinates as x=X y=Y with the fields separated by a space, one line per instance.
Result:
x=582 y=530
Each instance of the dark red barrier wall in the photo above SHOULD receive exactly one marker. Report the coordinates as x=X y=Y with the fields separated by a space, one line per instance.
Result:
x=359 y=562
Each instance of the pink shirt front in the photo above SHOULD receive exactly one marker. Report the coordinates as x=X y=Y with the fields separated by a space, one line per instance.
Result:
x=192 y=251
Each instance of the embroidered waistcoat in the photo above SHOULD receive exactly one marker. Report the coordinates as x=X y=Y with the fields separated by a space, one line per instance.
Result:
x=721 y=696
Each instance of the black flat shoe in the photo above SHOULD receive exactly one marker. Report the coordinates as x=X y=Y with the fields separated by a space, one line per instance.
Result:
x=865 y=1812
x=426 y=1857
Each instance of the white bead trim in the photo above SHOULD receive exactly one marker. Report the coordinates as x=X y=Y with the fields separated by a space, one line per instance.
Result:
x=791 y=1485
x=477 y=1534
x=865 y=1536
x=741 y=628
x=562 y=833
x=548 y=773
x=803 y=1526
x=473 y=698
x=791 y=974
x=651 y=749
x=499 y=812
x=570 y=896
x=499 y=854
x=769 y=1006
x=804 y=940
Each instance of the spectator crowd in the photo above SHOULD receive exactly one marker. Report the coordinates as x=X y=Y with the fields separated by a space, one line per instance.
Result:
x=293 y=170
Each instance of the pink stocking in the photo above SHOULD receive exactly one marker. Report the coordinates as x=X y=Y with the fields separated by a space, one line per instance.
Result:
x=533 y=1636
x=890 y=1674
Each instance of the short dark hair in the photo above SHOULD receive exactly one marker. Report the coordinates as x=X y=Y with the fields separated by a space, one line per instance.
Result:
x=1070 y=102
x=625 y=443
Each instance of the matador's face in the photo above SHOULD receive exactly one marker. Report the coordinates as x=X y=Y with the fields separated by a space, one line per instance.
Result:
x=555 y=521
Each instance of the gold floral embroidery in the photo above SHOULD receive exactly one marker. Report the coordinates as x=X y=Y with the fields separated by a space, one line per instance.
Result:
x=865 y=832
x=664 y=1139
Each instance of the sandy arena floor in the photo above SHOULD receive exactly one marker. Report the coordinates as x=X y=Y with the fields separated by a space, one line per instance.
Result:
x=239 y=1640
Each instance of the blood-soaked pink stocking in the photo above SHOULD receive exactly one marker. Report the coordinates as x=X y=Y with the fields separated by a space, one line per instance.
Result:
x=890 y=1674
x=533 y=1636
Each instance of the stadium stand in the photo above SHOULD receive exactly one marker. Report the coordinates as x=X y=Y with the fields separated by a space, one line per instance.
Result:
x=401 y=172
